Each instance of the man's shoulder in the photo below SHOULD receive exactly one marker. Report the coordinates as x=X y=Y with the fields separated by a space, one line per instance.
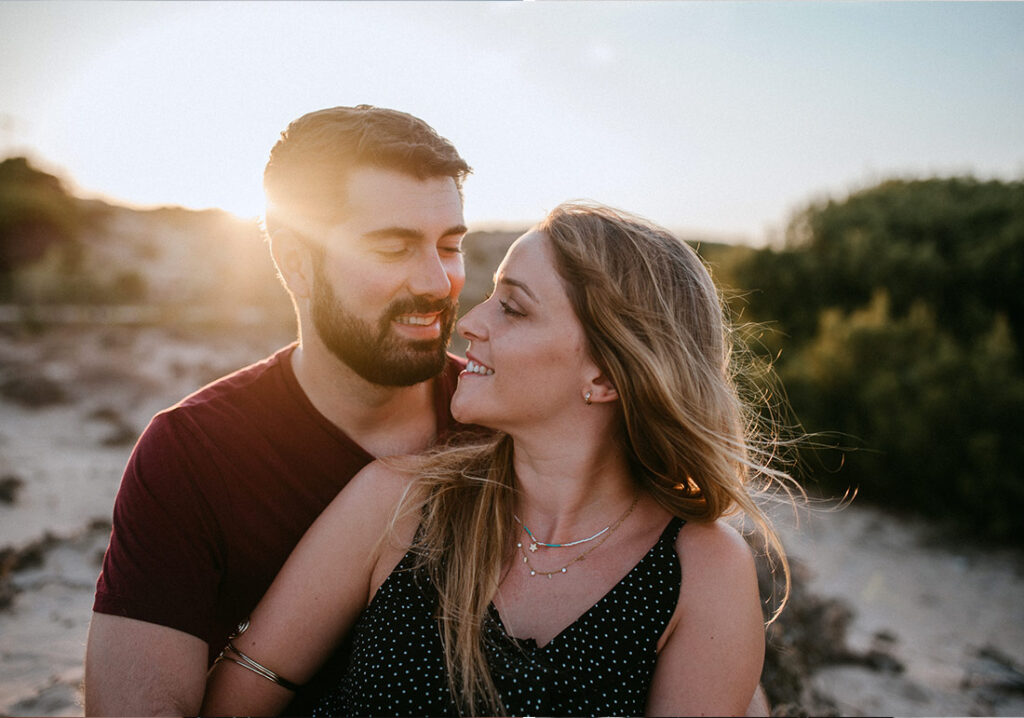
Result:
x=247 y=391
x=263 y=396
x=245 y=381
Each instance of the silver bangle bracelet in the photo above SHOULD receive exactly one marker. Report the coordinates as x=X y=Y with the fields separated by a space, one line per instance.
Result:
x=248 y=663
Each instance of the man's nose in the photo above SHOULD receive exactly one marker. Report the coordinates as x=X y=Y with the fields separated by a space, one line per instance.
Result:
x=430 y=278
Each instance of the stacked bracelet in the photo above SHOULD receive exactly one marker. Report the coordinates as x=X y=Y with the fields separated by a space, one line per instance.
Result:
x=248 y=663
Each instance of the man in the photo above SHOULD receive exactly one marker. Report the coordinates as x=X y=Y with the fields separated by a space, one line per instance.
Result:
x=364 y=215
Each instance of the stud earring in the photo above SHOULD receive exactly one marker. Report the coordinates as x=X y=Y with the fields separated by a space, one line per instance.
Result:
x=586 y=398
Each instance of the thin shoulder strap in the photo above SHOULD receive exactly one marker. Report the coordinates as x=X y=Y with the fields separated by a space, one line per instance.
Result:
x=671 y=532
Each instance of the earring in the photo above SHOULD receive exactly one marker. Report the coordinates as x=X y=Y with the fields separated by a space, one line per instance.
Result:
x=586 y=398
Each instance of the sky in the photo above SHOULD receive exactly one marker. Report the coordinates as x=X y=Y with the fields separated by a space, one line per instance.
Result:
x=715 y=119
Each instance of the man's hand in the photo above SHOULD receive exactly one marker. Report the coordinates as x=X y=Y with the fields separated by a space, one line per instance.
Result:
x=134 y=668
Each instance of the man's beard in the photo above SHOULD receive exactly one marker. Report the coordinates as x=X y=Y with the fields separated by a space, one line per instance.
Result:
x=373 y=352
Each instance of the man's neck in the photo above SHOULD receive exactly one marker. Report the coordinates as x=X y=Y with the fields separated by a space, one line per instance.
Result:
x=384 y=420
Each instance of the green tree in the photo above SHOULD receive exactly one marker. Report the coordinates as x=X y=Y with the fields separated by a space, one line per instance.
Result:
x=957 y=244
x=900 y=322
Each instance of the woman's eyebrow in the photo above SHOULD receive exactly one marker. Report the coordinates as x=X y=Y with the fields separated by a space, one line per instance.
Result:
x=520 y=285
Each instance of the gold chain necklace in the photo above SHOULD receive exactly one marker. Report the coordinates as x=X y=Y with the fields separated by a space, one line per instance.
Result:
x=580 y=557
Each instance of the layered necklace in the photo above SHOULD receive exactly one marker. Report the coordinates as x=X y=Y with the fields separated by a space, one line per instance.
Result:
x=604 y=534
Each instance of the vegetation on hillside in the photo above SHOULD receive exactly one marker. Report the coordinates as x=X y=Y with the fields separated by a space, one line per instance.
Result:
x=37 y=217
x=58 y=249
x=896 y=322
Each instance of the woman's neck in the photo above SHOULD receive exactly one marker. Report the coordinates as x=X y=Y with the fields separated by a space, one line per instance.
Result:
x=566 y=490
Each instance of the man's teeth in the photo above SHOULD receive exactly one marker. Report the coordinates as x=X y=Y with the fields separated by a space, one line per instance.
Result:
x=477 y=368
x=416 y=321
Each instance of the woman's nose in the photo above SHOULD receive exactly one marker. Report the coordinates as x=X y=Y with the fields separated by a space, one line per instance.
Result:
x=470 y=327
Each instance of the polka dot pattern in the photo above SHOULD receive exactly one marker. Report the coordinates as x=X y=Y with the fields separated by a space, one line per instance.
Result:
x=601 y=664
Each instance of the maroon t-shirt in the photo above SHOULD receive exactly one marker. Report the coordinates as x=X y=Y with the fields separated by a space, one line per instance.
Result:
x=217 y=492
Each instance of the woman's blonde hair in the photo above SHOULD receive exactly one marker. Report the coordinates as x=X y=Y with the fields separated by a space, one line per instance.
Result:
x=657 y=327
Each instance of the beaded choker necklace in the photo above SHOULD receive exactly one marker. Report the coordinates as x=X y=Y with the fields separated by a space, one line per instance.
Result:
x=606 y=532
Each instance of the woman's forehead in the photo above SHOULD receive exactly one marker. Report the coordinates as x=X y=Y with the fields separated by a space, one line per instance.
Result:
x=528 y=249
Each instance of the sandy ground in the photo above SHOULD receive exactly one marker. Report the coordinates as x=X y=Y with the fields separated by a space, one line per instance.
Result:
x=951 y=616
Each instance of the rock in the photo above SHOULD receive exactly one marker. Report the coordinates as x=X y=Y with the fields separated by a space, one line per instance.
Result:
x=32 y=390
x=14 y=559
x=809 y=631
x=10 y=485
x=122 y=433
x=993 y=676
x=809 y=634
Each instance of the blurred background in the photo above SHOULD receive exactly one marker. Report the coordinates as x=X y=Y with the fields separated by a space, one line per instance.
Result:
x=852 y=173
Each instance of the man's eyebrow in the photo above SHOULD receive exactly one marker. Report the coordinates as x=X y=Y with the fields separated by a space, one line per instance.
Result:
x=397 y=232
x=520 y=285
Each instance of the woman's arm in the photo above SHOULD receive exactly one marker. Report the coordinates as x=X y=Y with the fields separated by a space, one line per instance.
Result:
x=710 y=658
x=315 y=599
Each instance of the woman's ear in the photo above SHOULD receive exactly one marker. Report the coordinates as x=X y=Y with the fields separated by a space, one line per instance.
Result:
x=600 y=390
x=293 y=262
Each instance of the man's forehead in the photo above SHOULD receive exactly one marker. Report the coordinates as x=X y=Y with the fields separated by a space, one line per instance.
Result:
x=377 y=203
x=394 y=198
x=366 y=180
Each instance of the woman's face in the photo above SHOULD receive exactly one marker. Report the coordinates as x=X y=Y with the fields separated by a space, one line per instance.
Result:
x=528 y=363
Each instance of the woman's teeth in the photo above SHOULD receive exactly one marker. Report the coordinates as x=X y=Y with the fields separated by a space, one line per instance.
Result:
x=477 y=368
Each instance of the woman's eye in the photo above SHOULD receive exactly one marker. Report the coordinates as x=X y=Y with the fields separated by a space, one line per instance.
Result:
x=507 y=309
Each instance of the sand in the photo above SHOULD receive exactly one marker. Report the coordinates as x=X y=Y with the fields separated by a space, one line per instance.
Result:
x=951 y=616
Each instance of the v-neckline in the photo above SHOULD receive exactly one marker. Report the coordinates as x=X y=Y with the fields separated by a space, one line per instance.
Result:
x=531 y=643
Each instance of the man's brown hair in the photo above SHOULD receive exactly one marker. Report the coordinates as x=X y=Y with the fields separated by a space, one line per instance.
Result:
x=306 y=173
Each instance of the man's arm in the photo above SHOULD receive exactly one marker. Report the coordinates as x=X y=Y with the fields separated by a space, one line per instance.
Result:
x=134 y=668
x=157 y=590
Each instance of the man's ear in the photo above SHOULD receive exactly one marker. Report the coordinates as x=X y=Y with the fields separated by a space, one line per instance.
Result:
x=293 y=261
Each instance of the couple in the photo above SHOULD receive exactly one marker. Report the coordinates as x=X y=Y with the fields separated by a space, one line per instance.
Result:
x=569 y=561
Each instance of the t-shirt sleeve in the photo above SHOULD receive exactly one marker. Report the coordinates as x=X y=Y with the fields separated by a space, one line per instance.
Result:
x=164 y=562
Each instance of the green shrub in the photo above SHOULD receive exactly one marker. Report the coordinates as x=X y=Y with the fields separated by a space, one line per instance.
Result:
x=899 y=322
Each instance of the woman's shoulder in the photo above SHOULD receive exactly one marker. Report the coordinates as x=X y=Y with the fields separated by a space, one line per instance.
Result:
x=718 y=593
x=383 y=481
x=719 y=535
x=390 y=473
x=380 y=489
x=714 y=557
x=370 y=498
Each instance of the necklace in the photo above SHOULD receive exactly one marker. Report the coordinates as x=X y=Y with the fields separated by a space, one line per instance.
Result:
x=534 y=543
x=607 y=531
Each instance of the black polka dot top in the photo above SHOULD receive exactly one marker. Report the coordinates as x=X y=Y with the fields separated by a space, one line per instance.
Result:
x=600 y=665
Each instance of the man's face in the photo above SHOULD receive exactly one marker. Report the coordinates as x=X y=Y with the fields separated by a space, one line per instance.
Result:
x=386 y=288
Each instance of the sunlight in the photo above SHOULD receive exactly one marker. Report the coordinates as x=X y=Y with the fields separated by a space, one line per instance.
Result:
x=146 y=128
x=179 y=103
x=186 y=109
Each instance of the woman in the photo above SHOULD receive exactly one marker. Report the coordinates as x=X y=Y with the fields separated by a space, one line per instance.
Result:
x=546 y=569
